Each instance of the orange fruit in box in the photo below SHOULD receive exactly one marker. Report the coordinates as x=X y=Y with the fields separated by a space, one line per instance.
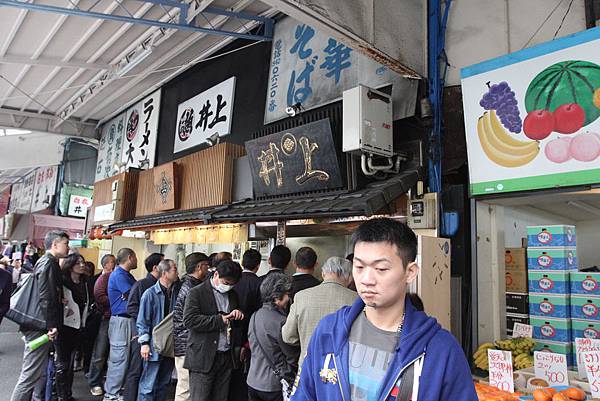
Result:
x=574 y=393
x=560 y=397
x=542 y=394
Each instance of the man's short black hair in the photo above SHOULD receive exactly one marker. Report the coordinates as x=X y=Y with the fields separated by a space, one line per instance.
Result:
x=280 y=257
x=153 y=260
x=230 y=271
x=211 y=259
x=192 y=260
x=124 y=254
x=391 y=231
x=52 y=236
x=251 y=259
x=306 y=258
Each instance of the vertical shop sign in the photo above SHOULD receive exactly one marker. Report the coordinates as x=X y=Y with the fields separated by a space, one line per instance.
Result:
x=552 y=367
x=141 y=131
x=205 y=116
x=312 y=69
x=583 y=345
x=300 y=159
x=111 y=144
x=22 y=194
x=45 y=187
x=78 y=205
x=501 y=370
x=592 y=369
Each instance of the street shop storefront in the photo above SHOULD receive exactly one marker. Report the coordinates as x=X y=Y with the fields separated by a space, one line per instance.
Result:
x=531 y=122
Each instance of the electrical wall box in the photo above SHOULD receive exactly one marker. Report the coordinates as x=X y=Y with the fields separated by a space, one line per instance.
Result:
x=367 y=122
x=422 y=213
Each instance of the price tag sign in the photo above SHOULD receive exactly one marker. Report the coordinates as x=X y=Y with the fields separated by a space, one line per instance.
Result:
x=501 y=370
x=591 y=361
x=522 y=330
x=584 y=345
x=551 y=367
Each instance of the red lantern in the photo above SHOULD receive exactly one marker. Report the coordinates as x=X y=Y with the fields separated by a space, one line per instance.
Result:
x=92 y=234
x=98 y=232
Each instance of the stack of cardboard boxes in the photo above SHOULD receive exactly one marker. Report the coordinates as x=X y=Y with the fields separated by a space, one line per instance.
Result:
x=517 y=310
x=551 y=257
x=585 y=305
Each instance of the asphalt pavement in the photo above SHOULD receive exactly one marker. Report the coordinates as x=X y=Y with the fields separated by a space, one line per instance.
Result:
x=11 y=358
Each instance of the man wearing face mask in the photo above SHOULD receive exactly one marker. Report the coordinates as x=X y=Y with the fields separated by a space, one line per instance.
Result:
x=211 y=315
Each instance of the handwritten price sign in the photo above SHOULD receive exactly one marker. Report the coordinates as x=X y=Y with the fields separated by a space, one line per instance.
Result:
x=522 y=330
x=552 y=367
x=501 y=370
x=584 y=345
x=591 y=361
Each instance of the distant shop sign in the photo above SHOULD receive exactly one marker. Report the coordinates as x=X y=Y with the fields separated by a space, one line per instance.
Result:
x=296 y=160
x=78 y=205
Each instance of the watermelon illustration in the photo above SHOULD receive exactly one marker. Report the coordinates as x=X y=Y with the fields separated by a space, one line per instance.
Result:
x=572 y=81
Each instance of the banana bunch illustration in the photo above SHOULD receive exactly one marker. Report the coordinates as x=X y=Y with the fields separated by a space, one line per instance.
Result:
x=480 y=357
x=502 y=148
x=523 y=361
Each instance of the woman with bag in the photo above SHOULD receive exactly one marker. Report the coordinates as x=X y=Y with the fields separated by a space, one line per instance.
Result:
x=273 y=362
x=77 y=301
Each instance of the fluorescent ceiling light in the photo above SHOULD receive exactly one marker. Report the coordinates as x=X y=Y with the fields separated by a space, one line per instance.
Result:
x=585 y=207
x=135 y=61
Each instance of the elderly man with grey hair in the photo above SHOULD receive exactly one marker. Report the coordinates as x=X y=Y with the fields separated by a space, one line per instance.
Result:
x=272 y=359
x=312 y=304
x=155 y=304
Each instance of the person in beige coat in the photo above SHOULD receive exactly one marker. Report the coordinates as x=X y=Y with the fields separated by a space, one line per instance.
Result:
x=312 y=304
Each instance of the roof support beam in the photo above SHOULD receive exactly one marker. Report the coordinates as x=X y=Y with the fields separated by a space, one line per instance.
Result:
x=129 y=19
x=50 y=62
x=172 y=53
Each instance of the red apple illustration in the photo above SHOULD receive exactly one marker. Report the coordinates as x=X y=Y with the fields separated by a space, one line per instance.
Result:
x=568 y=118
x=538 y=124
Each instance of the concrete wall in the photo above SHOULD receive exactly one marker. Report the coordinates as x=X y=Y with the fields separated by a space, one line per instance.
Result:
x=516 y=220
x=479 y=30
x=588 y=242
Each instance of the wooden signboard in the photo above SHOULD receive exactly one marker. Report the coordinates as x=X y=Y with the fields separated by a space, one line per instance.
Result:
x=300 y=159
x=164 y=187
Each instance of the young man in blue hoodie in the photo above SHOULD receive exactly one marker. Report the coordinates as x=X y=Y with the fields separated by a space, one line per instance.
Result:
x=381 y=348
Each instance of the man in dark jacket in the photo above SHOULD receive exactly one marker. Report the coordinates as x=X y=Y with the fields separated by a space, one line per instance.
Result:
x=279 y=259
x=248 y=291
x=196 y=267
x=210 y=313
x=101 y=347
x=5 y=289
x=305 y=263
x=47 y=272
x=136 y=365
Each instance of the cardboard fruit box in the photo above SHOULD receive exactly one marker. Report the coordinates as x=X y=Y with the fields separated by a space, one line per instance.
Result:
x=551 y=236
x=552 y=259
x=549 y=305
x=549 y=282
x=551 y=329
x=585 y=283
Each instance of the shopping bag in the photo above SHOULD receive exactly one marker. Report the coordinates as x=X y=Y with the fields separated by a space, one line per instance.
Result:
x=162 y=337
x=25 y=307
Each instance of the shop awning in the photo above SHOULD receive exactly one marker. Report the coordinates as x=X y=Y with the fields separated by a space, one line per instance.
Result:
x=35 y=226
x=374 y=199
x=163 y=220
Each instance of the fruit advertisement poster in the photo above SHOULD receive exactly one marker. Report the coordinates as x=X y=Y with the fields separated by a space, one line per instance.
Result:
x=532 y=118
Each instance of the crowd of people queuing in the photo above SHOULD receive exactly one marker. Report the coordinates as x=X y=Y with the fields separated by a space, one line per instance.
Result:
x=240 y=336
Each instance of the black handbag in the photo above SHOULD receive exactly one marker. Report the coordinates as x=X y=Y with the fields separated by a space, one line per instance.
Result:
x=25 y=307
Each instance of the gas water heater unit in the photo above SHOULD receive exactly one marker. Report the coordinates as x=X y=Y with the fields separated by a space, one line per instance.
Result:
x=367 y=122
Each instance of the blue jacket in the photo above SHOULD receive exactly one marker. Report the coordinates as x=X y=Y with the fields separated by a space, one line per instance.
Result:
x=119 y=286
x=151 y=313
x=441 y=369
